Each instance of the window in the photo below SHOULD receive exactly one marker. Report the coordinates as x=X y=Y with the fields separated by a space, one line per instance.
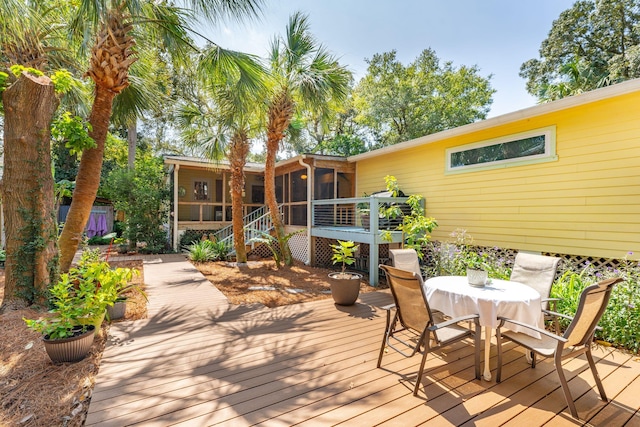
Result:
x=298 y=186
x=323 y=181
x=280 y=188
x=200 y=190
x=219 y=186
x=257 y=194
x=524 y=148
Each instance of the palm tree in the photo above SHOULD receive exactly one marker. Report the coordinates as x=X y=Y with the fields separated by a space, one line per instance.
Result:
x=305 y=77
x=145 y=94
x=113 y=23
x=224 y=127
x=575 y=77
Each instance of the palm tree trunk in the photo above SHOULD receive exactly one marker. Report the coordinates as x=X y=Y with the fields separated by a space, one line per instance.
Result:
x=27 y=190
x=238 y=151
x=111 y=57
x=88 y=179
x=280 y=114
x=132 y=135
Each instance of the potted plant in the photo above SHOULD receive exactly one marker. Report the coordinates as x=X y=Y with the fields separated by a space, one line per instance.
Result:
x=65 y=338
x=476 y=274
x=363 y=211
x=79 y=301
x=345 y=286
x=120 y=280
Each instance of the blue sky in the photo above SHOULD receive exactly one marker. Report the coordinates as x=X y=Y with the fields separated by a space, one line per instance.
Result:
x=496 y=35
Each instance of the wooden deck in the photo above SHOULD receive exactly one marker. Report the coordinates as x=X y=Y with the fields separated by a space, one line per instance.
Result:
x=198 y=361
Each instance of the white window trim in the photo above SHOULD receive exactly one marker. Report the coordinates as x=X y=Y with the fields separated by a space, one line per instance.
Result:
x=549 y=154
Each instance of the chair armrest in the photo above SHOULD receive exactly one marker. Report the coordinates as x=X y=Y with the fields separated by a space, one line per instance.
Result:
x=453 y=321
x=551 y=299
x=388 y=307
x=553 y=313
x=533 y=328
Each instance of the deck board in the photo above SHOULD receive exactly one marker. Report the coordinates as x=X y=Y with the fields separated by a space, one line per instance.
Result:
x=197 y=360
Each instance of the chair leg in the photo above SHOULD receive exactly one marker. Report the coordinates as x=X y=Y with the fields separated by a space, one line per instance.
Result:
x=565 y=385
x=476 y=338
x=427 y=348
x=594 y=371
x=385 y=337
x=499 y=345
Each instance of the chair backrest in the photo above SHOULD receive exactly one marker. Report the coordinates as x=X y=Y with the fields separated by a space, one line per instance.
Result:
x=405 y=259
x=593 y=302
x=536 y=271
x=408 y=294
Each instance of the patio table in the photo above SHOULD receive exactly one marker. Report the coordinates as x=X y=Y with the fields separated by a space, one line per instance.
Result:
x=453 y=296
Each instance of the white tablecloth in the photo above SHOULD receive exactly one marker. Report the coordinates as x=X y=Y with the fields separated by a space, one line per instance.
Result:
x=453 y=296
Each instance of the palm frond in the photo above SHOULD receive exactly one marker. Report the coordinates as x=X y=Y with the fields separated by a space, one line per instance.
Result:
x=136 y=99
x=168 y=26
x=218 y=10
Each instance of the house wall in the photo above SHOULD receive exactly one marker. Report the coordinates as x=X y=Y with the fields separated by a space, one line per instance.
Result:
x=587 y=202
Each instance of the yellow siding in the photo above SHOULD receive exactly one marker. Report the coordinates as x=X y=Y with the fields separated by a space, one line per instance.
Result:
x=585 y=203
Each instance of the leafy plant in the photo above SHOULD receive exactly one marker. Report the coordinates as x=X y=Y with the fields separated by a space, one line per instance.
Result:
x=208 y=250
x=475 y=261
x=101 y=240
x=74 y=131
x=141 y=195
x=343 y=253
x=415 y=226
x=620 y=323
x=272 y=242
x=82 y=295
x=190 y=237
x=63 y=81
x=4 y=77
x=452 y=258
x=18 y=69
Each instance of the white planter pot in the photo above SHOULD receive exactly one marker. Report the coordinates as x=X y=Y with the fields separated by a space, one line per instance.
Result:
x=477 y=278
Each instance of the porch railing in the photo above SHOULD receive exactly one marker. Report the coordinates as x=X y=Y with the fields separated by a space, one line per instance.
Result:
x=357 y=213
x=255 y=223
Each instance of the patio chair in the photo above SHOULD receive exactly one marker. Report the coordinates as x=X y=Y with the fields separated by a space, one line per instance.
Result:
x=538 y=272
x=579 y=336
x=405 y=259
x=413 y=315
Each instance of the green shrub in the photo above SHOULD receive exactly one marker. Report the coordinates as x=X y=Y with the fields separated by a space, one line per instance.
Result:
x=190 y=237
x=141 y=194
x=207 y=250
x=453 y=258
x=272 y=242
x=620 y=323
x=101 y=240
x=119 y=228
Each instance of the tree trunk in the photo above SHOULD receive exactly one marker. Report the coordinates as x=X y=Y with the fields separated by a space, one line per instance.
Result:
x=280 y=114
x=238 y=152
x=27 y=190
x=132 y=135
x=88 y=179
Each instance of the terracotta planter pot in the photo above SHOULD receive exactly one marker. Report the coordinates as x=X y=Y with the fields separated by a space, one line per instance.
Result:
x=345 y=291
x=117 y=311
x=72 y=349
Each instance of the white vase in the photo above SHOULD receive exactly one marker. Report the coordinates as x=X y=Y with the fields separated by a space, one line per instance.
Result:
x=477 y=278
